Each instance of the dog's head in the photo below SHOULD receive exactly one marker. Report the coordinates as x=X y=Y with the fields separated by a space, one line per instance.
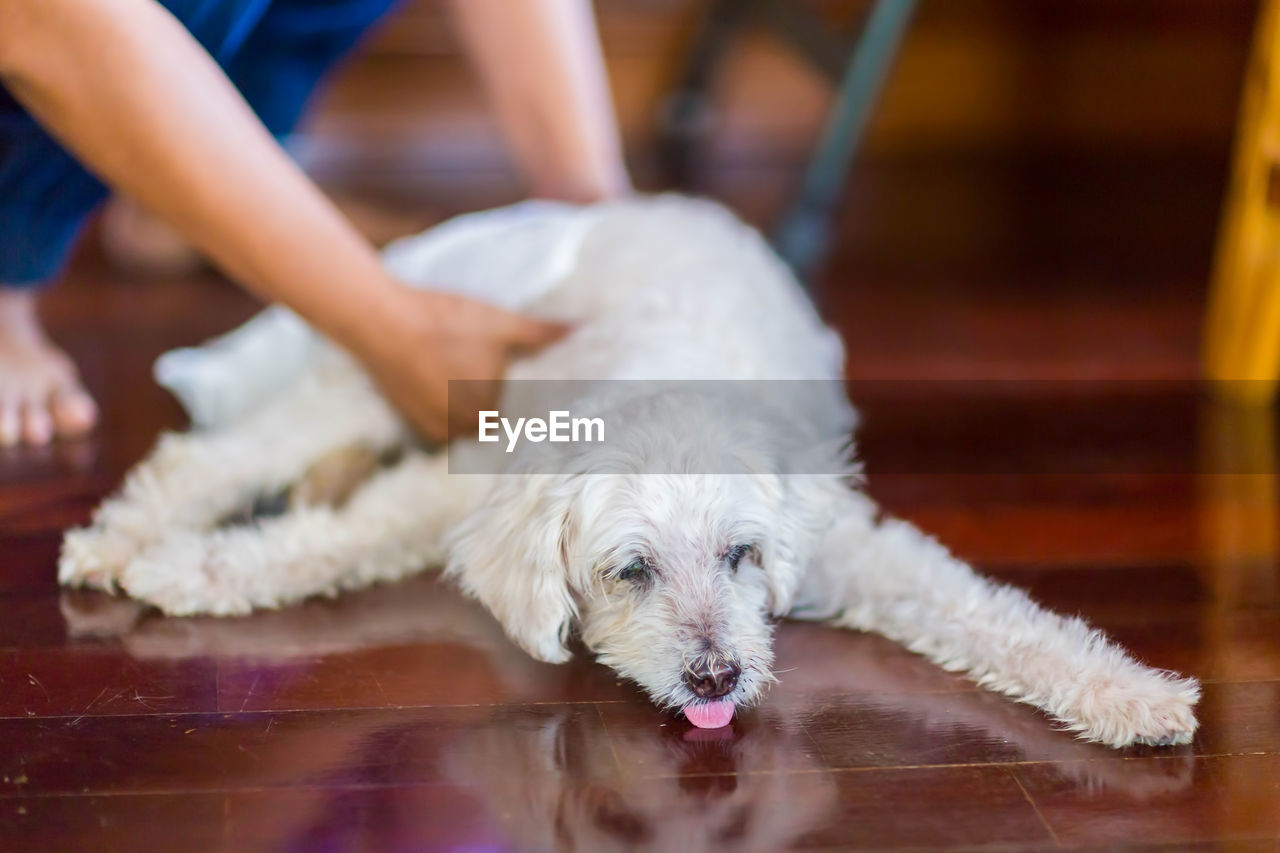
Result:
x=674 y=580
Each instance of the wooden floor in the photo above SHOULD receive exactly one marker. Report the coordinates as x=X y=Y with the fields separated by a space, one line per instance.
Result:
x=1022 y=341
x=400 y=718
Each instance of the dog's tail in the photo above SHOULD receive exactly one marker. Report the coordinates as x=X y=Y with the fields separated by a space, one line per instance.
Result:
x=890 y=578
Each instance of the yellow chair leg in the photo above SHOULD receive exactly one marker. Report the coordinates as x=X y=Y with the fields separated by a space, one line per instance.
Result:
x=1242 y=335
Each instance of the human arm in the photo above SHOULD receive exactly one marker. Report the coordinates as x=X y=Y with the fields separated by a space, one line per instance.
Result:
x=127 y=89
x=543 y=68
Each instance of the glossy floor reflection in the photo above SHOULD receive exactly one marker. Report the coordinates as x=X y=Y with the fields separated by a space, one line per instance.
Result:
x=400 y=716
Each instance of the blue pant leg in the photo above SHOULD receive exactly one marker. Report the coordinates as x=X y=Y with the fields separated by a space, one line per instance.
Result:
x=292 y=48
x=45 y=194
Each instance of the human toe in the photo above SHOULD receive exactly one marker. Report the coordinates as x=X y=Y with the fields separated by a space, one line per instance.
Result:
x=37 y=423
x=10 y=422
x=73 y=411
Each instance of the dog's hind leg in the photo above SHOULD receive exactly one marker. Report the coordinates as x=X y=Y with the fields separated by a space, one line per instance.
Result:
x=193 y=481
x=890 y=578
x=391 y=527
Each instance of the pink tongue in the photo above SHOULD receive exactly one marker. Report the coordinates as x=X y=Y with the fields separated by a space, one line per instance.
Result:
x=710 y=715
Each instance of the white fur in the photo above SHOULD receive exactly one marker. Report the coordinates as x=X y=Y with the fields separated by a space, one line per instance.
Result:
x=665 y=289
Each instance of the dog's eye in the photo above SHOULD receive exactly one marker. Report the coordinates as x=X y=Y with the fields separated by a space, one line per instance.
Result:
x=735 y=555
x=636 y=570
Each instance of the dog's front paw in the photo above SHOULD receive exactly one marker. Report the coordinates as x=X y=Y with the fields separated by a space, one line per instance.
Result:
x=1153 y=709
x=94 y=557
x=184 y=577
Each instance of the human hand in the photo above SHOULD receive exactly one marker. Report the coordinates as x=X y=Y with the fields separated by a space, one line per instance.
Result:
x=428 y=338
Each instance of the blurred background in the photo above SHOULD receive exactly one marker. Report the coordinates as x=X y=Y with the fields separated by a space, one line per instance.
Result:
x=1033 y=207
x=1070 y=154
x=1036 y=195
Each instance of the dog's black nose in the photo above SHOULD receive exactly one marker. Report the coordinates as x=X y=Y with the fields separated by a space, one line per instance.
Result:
x=712 y=680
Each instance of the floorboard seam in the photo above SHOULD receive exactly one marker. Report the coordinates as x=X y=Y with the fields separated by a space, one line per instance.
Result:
x=1030 y=801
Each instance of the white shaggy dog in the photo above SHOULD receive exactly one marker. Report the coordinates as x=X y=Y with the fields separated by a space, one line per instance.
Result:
x=672 y=578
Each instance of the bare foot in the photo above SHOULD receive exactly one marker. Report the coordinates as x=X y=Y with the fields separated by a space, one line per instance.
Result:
x=41 y=396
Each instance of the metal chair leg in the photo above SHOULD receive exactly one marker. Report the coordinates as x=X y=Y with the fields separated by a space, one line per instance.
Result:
x=805 y=232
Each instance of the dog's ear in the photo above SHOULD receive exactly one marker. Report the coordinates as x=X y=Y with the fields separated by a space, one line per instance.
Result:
x=512 y=556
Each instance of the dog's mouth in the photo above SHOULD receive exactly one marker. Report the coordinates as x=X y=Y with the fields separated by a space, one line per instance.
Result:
x=710 y=715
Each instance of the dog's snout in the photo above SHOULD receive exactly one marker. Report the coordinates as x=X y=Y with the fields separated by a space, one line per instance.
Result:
x=712 y=680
